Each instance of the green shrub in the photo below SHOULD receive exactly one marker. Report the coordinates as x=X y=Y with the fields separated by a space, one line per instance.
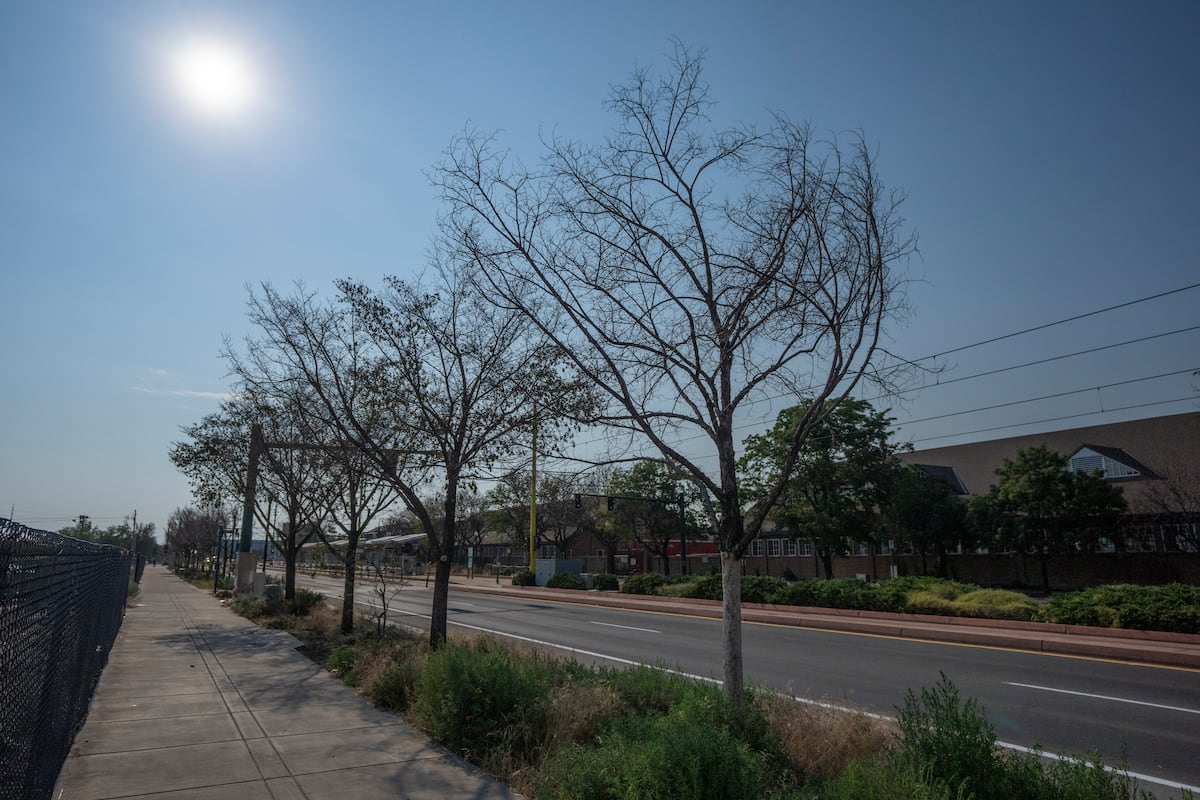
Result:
x=995 y=604
x=524 y=578
x=757 y=589
x=646 y=583
x=305 y=601
x=689 y=752
x=1172 y=607
x=882 y=779
x=706 y=587
x=394 y=688
x=926 y=602
x=951 y=740
x=565 y=580
x=605 y=582
x=341 y=661
x=489 y=701
x=250 y=607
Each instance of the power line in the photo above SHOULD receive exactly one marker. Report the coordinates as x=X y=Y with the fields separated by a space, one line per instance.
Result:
x=1061 y=357
x=1048 y=397
x=1056 y=322
x=1053 y=419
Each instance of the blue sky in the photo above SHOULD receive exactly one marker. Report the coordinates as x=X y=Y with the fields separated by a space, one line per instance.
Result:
x=1048 y=150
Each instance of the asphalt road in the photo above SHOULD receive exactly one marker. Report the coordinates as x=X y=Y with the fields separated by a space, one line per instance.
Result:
x=1065 y=705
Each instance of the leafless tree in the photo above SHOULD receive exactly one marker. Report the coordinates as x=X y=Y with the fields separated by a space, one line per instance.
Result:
x=361 y=495
x=688 y=272
x=192 y=531
x=216 y=457
x=1175 y=499
x=459 y=382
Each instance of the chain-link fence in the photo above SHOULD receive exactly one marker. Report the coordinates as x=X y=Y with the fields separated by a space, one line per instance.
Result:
x=61 y=604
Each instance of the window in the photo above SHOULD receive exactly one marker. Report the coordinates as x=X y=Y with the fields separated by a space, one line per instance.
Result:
x=885 y=547
x=1105 y=465
x=861 y=549
x=773 y=548
x=806 y=548
x=756 y=548
x=789 y=547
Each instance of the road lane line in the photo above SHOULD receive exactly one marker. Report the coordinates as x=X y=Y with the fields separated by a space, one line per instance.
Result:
x=1105 y=697
x=624 y=627
x=1140 y=776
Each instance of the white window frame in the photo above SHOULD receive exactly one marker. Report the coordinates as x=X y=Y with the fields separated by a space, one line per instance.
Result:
x=773 y=548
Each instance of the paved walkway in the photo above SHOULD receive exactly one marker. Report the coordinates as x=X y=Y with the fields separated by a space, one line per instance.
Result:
x=198 y=703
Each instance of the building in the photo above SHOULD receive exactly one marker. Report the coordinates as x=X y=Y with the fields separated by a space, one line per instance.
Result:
x=1155 y=463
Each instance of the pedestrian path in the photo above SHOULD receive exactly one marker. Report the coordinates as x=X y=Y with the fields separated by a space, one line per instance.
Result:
x=197 y=702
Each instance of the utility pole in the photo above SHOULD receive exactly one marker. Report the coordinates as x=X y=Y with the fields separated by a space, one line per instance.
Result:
x=133 y=533
x=533 y=499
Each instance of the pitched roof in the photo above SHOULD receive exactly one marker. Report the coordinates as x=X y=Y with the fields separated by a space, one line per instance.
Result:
x=1119 y=455
x=945 y=474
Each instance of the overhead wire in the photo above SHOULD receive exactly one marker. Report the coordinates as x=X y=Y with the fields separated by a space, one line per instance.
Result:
x=1014 y=367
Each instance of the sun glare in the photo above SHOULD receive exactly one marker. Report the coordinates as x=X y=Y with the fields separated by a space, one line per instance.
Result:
x=214 y=78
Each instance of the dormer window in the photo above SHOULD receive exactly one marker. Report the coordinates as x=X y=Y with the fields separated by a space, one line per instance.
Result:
x=1111 y=463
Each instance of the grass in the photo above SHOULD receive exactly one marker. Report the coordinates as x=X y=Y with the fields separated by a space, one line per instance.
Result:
x=556 y=729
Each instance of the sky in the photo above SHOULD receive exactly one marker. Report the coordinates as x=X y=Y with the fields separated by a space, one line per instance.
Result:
x=1048 y=152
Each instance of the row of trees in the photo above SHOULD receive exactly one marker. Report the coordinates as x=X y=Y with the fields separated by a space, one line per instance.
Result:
x=128 y=535
x=848 y=484
x=655 y=284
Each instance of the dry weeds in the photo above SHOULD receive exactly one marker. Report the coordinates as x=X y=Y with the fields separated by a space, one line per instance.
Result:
x=822 y=740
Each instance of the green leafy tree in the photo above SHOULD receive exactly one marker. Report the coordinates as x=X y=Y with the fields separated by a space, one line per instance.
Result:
x=837 y=482
x=923 y=509
x=654 y=521
x=1039 y=506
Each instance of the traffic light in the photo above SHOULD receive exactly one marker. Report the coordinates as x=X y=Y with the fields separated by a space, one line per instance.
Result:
x=610 y=502
x=578 y=501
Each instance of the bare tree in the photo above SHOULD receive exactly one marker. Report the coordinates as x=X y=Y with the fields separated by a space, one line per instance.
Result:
x=216 y=458
x=688 y=273
x=458 y=379
x=1175 y=499
x=192 y=531
x=361 y=496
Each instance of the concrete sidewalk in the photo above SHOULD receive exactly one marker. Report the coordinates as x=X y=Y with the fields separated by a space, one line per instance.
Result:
x=197 y=702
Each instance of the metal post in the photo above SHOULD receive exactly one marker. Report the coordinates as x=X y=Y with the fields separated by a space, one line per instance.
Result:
x=533 y=500
x=217 y=557
x=683 y=567
x=246 y=563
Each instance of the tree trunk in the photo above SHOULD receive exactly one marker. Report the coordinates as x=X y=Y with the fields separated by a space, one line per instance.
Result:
x=731 y=628
x=289 y=570
x=441 y=601
x=827 y=563
x=348 y=593
x=1045 y=558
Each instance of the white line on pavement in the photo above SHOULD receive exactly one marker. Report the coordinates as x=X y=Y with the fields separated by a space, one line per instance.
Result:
x=624 y=627
x=1105 y=697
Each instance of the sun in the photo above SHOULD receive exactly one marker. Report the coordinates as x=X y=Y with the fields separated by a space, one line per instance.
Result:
x=214 y=78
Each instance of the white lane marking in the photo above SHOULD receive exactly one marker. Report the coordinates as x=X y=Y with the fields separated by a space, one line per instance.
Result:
x=1141 y=776
x=1105 y=697
x=624 y=627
